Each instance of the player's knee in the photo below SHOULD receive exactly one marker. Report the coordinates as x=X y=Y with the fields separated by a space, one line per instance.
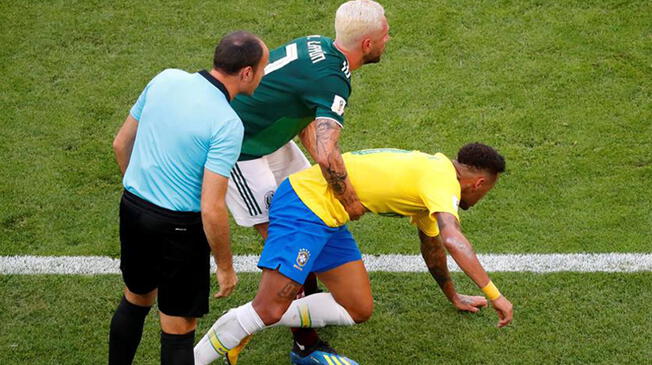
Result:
x=269 y=314
x=142 y=300
x=177 y=325
x=362 y=313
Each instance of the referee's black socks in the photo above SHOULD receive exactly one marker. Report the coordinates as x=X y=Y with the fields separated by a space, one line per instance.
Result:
x=177 y=349
x=126 y=331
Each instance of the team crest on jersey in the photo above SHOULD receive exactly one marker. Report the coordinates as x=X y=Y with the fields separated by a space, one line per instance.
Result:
x=456 y=203
x=338 y=105
x=302 y=258
x=268 y=198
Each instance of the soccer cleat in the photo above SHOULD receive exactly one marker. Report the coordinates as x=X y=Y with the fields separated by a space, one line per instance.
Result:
x=231 y=357
x=321 y=353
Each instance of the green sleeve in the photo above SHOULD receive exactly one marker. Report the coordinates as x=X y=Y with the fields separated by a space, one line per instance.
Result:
x=328 y=96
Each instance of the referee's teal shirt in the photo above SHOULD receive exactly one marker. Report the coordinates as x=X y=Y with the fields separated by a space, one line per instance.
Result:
x=185 y=123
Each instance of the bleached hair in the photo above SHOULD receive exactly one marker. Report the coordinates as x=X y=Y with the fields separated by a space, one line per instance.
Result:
x=355 y=19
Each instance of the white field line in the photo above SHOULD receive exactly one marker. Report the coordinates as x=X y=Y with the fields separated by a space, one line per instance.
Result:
x=538 y=263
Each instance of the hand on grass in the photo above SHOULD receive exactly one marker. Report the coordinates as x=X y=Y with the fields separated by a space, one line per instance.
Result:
x=504 y=309
x=469 y=303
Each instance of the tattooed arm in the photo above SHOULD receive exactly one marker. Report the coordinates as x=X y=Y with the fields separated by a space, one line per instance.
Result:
x=321 y=140
x=434 y=255
x=462 y=251
x=460 y=248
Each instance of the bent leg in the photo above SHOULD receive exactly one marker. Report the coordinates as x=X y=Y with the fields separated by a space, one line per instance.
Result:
x=303 y=337
x=275 y=294
x=272 y=306
x=349 y=284
x=276 y=306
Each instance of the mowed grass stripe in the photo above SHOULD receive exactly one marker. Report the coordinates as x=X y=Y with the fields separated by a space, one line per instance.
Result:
x=539 y=263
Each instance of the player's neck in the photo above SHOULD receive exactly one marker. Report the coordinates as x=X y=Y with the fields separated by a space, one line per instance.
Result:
x=229 y=82
x=459 y=169
x=352 y=57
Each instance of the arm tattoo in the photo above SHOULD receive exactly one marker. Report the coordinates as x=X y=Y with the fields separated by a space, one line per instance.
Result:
x=326 y=135
x=466 y=300
x=289 y=291
x=446 y=220
x=435 y=256
x=336 y=180
x=325 y=125
x=441 y=276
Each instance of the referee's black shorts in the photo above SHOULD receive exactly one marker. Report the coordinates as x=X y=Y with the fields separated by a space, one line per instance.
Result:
x=168 y=250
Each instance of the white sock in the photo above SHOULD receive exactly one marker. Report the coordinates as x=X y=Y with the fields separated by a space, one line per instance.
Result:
x=316 y=310
x=227 y=332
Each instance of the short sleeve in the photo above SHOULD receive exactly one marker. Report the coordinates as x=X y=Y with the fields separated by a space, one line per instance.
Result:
x=137 y=108
x=225 y=148
x=328 y=97
x=440 y=194
x=426 y=224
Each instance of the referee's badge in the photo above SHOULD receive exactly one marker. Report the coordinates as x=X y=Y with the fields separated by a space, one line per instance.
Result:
x=302 y=258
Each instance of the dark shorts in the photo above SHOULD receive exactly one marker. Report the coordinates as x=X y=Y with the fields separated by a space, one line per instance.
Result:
x=168 y=250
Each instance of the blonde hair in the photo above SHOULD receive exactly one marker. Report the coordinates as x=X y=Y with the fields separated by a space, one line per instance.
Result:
x=356 y=19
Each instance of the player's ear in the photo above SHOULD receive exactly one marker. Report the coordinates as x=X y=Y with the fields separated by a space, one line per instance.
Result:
x=247 y=74
x=366 y=45
x=479 y=182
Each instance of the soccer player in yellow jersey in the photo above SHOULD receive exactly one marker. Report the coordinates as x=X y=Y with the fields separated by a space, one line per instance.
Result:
x=307 y=233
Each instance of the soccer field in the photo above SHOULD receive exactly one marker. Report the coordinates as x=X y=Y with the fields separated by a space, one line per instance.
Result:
x=562 y=89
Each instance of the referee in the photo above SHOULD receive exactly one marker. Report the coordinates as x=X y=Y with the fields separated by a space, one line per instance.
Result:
x=176 y=150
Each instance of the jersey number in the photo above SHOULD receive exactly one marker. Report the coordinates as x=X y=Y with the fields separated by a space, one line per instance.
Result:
x=291 y=54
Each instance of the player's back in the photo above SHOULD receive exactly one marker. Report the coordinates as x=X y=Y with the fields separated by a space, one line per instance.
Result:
x=387 y=181
x=302 y=81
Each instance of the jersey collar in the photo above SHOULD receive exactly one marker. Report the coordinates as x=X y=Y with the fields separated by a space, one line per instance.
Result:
x=217 y=83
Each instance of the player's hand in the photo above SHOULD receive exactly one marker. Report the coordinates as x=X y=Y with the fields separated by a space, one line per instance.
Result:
x=504 y=309
x=469 y=303
x=355 y=210
x=227 y=280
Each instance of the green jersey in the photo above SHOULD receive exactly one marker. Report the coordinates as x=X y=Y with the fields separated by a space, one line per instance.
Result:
x=305 y=79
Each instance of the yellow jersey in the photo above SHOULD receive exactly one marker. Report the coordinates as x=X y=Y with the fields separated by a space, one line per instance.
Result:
x=388 y=182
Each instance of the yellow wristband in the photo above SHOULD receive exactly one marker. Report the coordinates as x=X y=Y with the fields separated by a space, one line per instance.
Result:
x=491 y=291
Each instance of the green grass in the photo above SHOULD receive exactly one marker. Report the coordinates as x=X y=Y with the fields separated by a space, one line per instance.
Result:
x=561 y=88
x=559 y=319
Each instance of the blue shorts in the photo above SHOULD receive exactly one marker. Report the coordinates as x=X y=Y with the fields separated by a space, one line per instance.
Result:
x=299 y=242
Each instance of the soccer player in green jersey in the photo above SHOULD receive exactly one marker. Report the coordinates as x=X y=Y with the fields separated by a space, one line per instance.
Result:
x=304 y=92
